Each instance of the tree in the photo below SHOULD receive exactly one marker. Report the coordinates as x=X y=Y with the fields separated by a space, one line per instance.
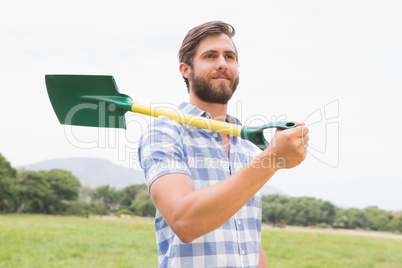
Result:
x=129 y=194
x=8 y=176
x=274 y=208
x=377 y=219
x=302 y=211
x=273 y=212
x=297 y=210
x=47 y=191
x=328 y=213
x=350 y=218
x=35 y=193
x=105 y=196
x=143 y=205
x=63 y=183
x=396 y=224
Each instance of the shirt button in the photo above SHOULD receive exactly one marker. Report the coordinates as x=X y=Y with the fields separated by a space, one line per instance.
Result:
x=238 y=222
x=243 y=252
x=215 y=135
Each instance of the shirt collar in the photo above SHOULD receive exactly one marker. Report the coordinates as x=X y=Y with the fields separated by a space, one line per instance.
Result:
x=191 y=109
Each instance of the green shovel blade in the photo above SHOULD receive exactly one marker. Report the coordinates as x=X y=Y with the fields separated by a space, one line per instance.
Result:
x=87 y=100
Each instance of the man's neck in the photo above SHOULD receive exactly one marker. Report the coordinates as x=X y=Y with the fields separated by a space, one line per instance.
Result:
x=216 y=110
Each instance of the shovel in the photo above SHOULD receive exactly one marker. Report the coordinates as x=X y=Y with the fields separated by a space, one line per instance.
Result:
x=94 y=100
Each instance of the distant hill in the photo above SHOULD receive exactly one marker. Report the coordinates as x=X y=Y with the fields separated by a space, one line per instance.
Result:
x=94 y=172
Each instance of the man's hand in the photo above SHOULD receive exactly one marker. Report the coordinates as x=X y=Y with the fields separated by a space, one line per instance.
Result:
x=288 y=148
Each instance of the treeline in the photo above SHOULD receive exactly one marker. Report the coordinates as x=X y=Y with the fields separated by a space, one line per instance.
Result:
x=306 y=211
x=59 y=192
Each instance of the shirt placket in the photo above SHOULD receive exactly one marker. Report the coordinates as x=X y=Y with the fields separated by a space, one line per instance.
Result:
x=239 y=225
x=222 y=151
x=238 y=221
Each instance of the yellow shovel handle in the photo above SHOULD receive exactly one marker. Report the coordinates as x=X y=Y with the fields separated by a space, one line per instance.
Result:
x=188 y=119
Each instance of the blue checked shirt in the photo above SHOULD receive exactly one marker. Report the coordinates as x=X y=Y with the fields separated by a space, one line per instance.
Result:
x=169 y=147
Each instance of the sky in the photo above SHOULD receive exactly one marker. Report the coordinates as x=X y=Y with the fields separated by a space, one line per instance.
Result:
x=334 y=65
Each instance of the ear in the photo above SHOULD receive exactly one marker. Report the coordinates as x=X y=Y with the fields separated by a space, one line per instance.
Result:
x=185 y=70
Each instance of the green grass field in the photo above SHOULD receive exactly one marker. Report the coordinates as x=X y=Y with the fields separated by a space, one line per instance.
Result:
x=63 y=241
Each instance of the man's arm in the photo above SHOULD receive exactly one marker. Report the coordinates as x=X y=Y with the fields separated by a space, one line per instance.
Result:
x=192 y=214
x=262 y=259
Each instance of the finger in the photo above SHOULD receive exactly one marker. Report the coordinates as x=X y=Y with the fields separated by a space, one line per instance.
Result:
x=305 y=130
x=305 y=139
x=301 y=131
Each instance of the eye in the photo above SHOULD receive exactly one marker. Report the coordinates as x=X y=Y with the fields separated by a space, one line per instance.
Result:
x=230 y=57
x=209 y=56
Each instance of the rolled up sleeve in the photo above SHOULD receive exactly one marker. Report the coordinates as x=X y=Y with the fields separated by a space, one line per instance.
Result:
x=161 y=150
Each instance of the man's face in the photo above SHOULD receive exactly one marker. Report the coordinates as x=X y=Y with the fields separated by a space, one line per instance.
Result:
x=214 y=76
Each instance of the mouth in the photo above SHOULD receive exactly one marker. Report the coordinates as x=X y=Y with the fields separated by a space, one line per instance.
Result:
x=221 y=78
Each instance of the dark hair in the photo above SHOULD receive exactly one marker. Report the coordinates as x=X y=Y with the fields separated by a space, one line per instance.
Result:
x=196 y=35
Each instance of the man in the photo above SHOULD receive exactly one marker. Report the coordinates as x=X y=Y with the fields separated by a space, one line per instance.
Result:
x=205 y=184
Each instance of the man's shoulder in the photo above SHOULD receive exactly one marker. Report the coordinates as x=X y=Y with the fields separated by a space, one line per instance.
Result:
x=161 y=130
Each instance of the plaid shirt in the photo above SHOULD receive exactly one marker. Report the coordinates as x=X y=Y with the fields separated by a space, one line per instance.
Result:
x=169 y=147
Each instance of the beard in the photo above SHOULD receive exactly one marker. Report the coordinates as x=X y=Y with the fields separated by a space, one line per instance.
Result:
x=206 y=92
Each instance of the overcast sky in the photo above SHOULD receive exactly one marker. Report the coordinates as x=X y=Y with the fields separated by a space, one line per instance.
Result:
x=336 y=65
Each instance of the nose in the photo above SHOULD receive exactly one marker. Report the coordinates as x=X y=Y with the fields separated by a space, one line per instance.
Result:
x=221 y=64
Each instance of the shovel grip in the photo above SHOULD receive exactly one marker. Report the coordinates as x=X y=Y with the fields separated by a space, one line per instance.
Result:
x=256 y=135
